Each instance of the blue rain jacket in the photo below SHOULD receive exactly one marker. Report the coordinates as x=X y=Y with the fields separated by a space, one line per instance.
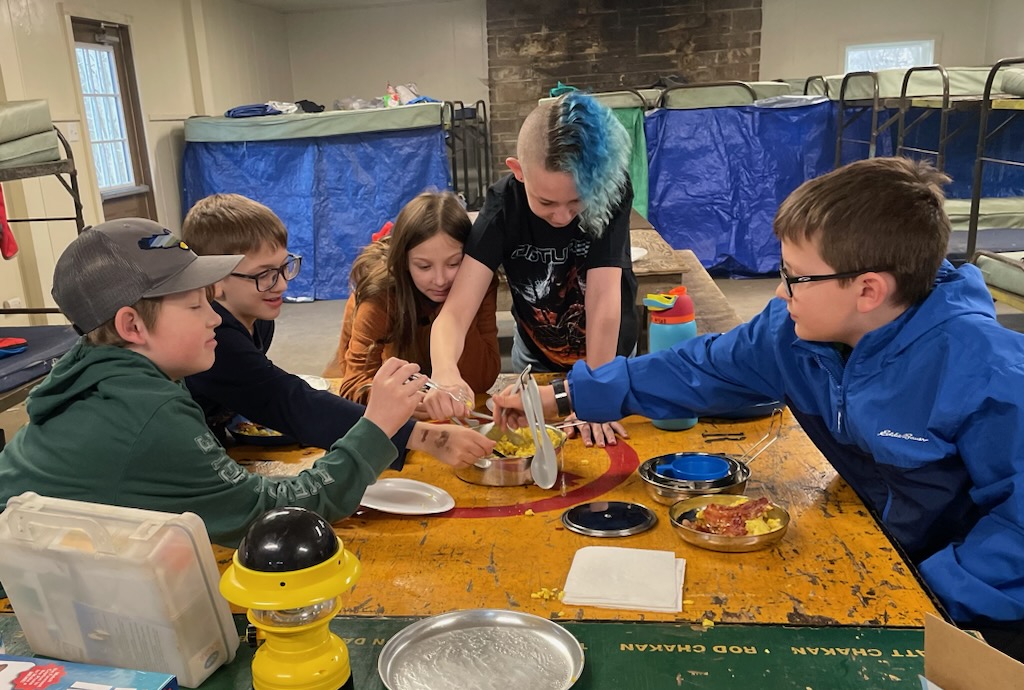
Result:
x=925 y=420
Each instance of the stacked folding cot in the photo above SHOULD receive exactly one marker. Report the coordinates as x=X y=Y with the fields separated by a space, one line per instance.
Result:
x=27 y=135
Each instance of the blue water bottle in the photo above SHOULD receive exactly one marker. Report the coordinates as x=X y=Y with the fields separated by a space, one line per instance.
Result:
x=672 y=321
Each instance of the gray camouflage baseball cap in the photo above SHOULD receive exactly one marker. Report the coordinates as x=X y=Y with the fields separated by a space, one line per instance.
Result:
x=117 y=263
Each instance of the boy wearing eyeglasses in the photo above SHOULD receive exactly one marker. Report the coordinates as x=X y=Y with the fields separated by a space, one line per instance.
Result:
x=894 y=365
x=243 y=380
x=112 y=424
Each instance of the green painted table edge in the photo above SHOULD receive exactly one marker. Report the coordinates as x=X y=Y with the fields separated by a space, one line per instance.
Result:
x=640 y=656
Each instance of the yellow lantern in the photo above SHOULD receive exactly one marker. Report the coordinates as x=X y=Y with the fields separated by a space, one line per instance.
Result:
x=290 y=571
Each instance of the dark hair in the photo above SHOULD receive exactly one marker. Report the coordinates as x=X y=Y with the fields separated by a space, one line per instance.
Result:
x=383 y=266
x=872 y=214
x=232 y=224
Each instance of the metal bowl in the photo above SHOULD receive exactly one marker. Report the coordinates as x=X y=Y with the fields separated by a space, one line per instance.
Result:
x=666 y=490
x=501 y=471
x=687 y=509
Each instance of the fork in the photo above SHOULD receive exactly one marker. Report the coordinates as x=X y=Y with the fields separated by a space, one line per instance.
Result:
x=461 y=397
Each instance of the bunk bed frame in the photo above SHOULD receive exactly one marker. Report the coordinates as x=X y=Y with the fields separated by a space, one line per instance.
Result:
x=59 y=169
x=26 y=369
x=874 y=105
x=990 y=102
x=468 y=138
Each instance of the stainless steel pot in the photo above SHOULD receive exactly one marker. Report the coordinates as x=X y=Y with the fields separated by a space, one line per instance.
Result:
x=667 y=490
x=495 y=470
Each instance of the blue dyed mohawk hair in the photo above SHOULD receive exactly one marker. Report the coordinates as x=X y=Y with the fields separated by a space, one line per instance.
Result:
x=587 y=141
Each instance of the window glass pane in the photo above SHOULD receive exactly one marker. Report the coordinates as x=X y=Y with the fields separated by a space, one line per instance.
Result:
x=875 y=56
x=104 y=115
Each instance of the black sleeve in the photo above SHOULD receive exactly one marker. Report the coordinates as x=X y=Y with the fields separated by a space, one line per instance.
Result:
x=612 y=248
x=244 y=380
x=486 y=239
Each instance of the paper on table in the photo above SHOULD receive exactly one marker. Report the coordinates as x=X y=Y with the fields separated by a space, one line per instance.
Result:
x=621 y=578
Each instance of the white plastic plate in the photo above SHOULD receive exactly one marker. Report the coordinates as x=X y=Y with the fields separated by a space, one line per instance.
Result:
x=407 y=497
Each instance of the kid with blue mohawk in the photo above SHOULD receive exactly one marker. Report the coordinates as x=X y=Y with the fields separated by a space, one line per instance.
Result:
x=559 y=226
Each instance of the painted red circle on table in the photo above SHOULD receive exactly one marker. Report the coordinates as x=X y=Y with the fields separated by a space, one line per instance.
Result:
x=623 y=462
x=39 y=677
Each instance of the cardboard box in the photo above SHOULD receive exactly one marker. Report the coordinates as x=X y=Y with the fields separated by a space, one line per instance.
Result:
x=23 y=673
x=955 y=660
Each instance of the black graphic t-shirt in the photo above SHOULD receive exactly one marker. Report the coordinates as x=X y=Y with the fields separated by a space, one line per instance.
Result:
x=547 y=269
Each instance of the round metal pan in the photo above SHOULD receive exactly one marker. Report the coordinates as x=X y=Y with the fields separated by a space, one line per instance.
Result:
x=484 y=649
x=667 y=491
x=504 y=471
x=687 y=509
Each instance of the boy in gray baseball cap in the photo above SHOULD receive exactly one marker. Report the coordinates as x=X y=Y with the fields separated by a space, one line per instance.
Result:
x=113 y=424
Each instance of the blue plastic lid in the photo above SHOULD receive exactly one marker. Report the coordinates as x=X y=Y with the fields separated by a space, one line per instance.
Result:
x=695 y=467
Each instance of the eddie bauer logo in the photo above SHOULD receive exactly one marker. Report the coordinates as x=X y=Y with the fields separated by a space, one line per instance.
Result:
x=906 y=437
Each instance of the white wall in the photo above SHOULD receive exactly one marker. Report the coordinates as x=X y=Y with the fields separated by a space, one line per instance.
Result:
x=1005 y=30
x=191 y=56
x=441 y=45
x=247 y=51
x=804 y=37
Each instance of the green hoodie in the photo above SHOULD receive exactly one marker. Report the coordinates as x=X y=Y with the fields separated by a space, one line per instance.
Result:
x=108 y=426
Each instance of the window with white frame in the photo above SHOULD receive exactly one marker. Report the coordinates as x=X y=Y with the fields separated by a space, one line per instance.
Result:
x=876 y=56
x=104 y=115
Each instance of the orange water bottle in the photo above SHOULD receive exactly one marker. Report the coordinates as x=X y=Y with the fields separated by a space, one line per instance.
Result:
x=671 y=322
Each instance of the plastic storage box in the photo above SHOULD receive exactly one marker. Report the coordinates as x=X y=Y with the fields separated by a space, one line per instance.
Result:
x=115 y=586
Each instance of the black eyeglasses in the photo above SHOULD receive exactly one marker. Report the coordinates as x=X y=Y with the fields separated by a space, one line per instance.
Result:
x=266 y=280
x=790 y=281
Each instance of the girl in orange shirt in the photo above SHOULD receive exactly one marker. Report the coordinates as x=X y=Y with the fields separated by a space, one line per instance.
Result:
x=398 y=285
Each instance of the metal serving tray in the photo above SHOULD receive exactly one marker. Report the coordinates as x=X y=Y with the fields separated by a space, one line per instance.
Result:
x=482 y=649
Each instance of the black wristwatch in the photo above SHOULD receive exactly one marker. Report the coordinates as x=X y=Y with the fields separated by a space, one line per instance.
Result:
x=561 y=397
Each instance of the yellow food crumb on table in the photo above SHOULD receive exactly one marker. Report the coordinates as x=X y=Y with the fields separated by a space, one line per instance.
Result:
x=547 y=594
x=529 y=511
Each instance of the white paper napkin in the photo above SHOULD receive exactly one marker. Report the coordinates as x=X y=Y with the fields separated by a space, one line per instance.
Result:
x=620 y=578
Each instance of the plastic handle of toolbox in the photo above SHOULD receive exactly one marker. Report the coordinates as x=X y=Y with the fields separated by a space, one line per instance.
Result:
x=22 y=524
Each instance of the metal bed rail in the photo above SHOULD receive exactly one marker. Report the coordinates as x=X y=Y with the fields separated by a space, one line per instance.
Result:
x=58 y=169
x=983 y=138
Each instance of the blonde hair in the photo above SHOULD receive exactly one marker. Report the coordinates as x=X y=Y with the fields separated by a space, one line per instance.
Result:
x=232 y=224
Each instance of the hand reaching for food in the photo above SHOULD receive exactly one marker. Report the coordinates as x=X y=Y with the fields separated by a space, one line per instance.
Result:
x=448 y=399
x=394 y=395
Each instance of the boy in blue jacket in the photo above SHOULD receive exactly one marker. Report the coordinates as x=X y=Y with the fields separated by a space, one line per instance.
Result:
x=895 y=367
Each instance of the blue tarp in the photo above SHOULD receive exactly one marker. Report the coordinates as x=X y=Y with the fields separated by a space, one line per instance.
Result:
x=717 y=176
x=331 y=192
x=1008 y=144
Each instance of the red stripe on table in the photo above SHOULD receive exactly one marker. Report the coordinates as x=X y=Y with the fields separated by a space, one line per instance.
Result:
x=623 y=462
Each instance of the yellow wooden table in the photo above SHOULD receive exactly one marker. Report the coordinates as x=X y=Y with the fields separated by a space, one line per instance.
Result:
x=499 y=547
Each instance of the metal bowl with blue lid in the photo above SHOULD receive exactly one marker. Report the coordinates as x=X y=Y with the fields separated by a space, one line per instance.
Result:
x=675 y=476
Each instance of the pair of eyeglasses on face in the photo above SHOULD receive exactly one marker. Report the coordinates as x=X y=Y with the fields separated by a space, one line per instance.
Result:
x=266 y=280
x=790 y=281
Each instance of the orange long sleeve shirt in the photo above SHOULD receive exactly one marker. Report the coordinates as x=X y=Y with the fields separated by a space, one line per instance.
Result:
x=360 y=354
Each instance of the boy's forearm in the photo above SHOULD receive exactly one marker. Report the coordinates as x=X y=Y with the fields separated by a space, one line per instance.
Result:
x=447 y=340
x=602 y=340
x=429 y=438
